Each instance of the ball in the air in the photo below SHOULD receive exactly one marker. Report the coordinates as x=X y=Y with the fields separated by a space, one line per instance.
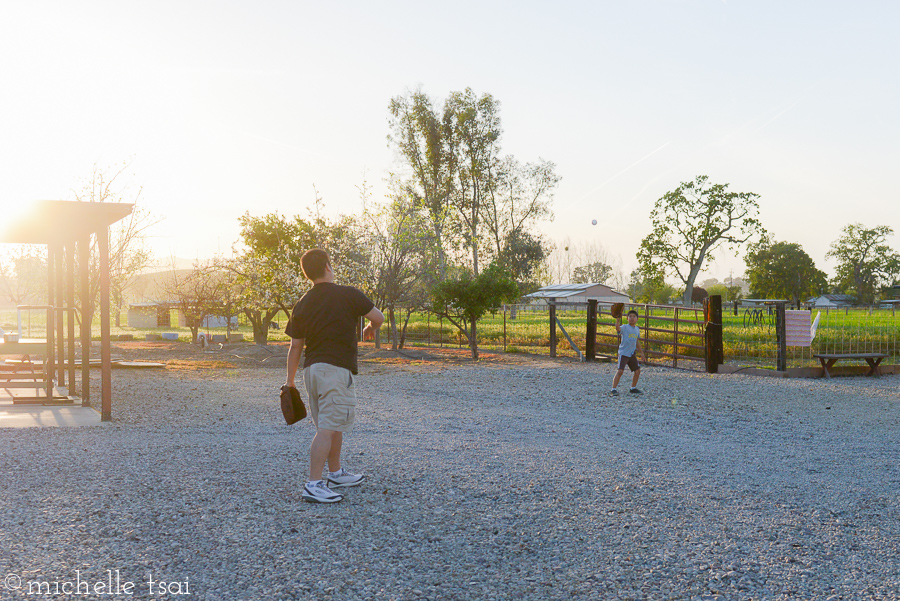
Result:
x=593 y=222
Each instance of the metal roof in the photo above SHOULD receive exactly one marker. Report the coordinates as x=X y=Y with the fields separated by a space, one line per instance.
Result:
x=569 y=290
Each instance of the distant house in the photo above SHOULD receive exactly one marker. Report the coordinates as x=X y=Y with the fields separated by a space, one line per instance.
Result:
x=760 y=302
x=832 y=301
x=210 y=321
x=578 y=293
x=149 y=315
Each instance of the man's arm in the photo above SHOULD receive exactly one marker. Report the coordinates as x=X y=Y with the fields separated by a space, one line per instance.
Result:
x=295 y=353
x=376 y=318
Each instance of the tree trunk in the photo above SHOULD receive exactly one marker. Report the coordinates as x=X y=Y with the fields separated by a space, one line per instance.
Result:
x=403 y=329
x=473 y=340
x=260 y=323
x=393 y=324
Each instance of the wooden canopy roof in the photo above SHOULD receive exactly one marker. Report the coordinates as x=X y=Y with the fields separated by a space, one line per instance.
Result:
x=54 y=221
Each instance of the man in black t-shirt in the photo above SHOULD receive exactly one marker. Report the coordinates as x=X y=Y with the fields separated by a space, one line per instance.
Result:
x=325 y=321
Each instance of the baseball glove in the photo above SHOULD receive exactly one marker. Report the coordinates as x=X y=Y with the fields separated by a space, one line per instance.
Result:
x=292 y=406
x=617 y=309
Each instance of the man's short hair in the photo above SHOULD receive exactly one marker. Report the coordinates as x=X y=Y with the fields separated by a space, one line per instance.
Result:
x=633 y=311
x=313 y=263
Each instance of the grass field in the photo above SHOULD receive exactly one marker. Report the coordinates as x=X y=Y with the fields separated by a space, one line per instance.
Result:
x=856 y=330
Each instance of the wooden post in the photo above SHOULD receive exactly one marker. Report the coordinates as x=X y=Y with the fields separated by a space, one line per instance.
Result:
x=781 y=359
x=590 y=341
x=70 y=311
x=718 y=341
x=675 y=346
x=504 y=328
x=713 y=335
x=646 y=327
x=51 y=320
x=87 y=315
x=60 y=302
x=48 y=368
x=105 y=353
x=552 y=330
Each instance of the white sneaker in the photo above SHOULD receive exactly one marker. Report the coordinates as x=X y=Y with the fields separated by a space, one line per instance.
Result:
x=344 y=478
x=317 y=492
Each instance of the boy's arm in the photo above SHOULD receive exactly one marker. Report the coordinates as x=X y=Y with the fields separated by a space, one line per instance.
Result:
x=640 y=349
x=618 y=324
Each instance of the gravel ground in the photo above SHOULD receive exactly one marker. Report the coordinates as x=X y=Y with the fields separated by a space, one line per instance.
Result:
x=505 y=480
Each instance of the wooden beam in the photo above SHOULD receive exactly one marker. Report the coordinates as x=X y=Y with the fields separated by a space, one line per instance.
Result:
x=87 y=314
x=59 y=302
x=105 y=354
x=51 y=316
x=70 y=313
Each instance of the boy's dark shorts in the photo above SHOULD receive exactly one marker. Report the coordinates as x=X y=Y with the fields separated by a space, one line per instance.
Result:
x=631 y=362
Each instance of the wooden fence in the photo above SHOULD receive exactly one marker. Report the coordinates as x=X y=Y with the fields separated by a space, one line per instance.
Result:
x=685 y=337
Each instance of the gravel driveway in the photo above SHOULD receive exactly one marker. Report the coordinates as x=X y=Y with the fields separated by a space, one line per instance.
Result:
x=495 y=481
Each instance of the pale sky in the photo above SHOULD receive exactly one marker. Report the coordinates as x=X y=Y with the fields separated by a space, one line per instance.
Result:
x=227 y=107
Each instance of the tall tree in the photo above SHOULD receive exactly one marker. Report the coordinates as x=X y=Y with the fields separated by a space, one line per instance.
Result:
x=865 y=261
x=649 y=288
x=474 y=141
x=783 y=270
x=129 y=254
x=692 y=221
x=197 y=293
x=522 y=256
x=522 y=196
x=399 y=245
x=267 y=267
x=420 y=135
x=594 y=273
x=267 y=262
x=23 y=275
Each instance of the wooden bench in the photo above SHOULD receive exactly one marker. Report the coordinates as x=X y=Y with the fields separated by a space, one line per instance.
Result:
x=873 y=359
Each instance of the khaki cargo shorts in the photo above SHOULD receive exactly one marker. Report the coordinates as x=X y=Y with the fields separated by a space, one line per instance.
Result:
x=332 y=396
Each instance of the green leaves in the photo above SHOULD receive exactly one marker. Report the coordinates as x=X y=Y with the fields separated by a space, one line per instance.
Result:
x=691 y=222
x=783 y=270
x=469 y=297
x=465 y=298
x=865 y=260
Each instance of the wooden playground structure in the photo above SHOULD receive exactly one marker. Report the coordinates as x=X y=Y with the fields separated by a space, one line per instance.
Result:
x=43 y=370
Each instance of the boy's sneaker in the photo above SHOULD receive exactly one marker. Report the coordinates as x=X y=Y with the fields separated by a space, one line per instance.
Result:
x=344 y=478
x=635 y=391
x=613 y=392
x=317 y=492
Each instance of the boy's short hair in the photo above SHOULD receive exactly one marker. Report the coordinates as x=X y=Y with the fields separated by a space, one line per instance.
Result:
x=313 y=263
x=633 y=311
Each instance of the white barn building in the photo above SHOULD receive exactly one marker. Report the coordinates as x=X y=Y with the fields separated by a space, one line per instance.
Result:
x=578 y=293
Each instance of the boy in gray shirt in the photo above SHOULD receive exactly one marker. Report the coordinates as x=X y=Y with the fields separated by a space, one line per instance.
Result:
x=629 y=346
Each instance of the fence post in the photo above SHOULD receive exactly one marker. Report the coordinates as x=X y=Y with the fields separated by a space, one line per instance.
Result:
x=675 y=346
x=504 y=328
x=590 y=341
x=552 y=330
x=781 y=359
x=714 y=347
